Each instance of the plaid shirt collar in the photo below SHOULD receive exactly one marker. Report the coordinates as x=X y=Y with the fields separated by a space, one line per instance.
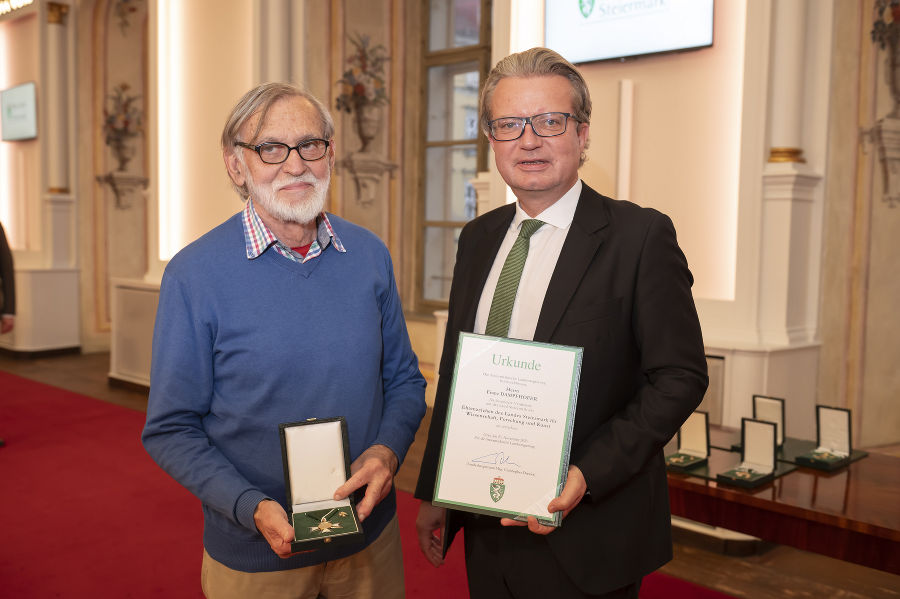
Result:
x=258 y=237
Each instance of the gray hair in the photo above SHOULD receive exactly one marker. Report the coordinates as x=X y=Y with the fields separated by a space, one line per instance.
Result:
x=536 y=62
x=258 y=101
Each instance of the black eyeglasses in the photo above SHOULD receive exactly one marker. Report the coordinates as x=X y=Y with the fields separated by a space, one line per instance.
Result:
x=274 y=152
x=548 y=124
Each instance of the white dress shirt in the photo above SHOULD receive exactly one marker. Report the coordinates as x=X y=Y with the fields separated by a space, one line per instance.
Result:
x=543 y=252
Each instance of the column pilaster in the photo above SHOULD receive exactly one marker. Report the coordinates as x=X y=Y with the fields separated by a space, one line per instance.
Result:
x=788 y=53
x=274 y=37
x=785 y=262
x=57 y=130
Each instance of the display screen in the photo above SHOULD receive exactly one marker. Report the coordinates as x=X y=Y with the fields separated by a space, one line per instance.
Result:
x=589 y=30
x=18 y=112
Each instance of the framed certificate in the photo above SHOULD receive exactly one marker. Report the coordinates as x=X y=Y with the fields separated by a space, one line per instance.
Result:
x=508 y=431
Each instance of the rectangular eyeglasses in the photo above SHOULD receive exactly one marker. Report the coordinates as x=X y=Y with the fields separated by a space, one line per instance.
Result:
x=548 y=124
x=274 y=152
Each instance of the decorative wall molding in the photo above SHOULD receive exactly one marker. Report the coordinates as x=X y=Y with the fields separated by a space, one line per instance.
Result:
x=886 y=133
x=367 y=171
x=364 y=84
x=789 y=257
x=364 y=96
x=123 y=122
x=887 y=137
x=56 y=13
x=123 y=186
x=789 y=183
x=786 y=155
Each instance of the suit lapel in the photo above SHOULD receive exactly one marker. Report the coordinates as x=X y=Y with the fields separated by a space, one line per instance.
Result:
x=487 y=244
x=582 y=243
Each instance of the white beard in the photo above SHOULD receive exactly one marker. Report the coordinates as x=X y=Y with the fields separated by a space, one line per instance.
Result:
x=300 y=212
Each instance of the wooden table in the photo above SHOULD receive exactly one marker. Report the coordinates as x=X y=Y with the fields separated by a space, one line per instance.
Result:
x=852 y=514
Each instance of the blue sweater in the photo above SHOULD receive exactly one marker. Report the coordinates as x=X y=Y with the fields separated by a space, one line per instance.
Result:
x=242 y=345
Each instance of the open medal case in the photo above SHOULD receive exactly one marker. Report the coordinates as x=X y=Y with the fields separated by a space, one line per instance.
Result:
x=833 y=446
x=770 y=409
x=693 y=443
x=757 y=467
x=316 y=458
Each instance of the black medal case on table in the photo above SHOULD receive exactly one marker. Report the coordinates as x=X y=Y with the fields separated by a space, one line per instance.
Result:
x=770 y=409
x=833 y=442
x=757 y=467
x=693 y=444
x=316 y=458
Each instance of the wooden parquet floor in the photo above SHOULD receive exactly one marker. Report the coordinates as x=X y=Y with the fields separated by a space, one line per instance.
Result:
x=771 y=572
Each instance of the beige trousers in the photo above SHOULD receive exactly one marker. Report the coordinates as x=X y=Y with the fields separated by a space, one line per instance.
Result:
x=376 y=572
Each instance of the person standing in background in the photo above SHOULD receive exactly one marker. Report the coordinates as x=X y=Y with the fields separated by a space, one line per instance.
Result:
x=7 y=286
x=7 y=291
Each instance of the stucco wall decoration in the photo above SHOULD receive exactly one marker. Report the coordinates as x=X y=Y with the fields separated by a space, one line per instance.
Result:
x=362 y=86
x=363 y=94
x=122 y=122
x=886 y=33
x=124 y=10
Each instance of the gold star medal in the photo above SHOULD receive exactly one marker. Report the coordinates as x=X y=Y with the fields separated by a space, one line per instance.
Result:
x=325 y=525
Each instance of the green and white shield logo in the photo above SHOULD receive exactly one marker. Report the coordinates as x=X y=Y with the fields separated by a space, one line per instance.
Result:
x=586 y=6
x=497 y=488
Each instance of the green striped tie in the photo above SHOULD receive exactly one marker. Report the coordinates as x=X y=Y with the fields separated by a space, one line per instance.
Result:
x=508 y=283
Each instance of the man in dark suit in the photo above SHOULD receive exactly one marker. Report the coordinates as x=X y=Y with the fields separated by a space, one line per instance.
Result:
x=601 y=274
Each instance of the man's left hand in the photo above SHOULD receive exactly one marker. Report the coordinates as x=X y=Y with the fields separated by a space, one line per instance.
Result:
x=571 y=495
x=375 y=467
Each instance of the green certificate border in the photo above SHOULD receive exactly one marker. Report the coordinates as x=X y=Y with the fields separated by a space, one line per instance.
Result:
x=565 y=450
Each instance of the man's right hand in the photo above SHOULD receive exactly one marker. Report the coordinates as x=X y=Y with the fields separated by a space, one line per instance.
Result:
x=272 y=521
x=430 y=519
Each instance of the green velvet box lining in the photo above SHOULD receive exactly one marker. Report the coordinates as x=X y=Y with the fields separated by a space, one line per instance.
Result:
x=322 y=524
x=822 y=460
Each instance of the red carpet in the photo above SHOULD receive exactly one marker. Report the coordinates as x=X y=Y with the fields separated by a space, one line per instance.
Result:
x=85 y=513
x=84 y=510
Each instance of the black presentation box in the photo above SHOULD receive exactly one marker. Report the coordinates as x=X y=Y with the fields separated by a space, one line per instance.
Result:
x=770 y=409
x=693 y=444
x=833 y=441
x=757 y=467
x=316 y=458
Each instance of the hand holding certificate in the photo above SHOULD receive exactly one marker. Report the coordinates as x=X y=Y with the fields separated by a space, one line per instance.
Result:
x=509 y=425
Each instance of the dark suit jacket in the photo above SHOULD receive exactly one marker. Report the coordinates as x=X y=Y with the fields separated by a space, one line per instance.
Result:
x=622 y=291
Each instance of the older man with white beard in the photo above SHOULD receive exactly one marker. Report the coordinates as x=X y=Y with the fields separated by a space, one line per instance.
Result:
x=281 y=314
